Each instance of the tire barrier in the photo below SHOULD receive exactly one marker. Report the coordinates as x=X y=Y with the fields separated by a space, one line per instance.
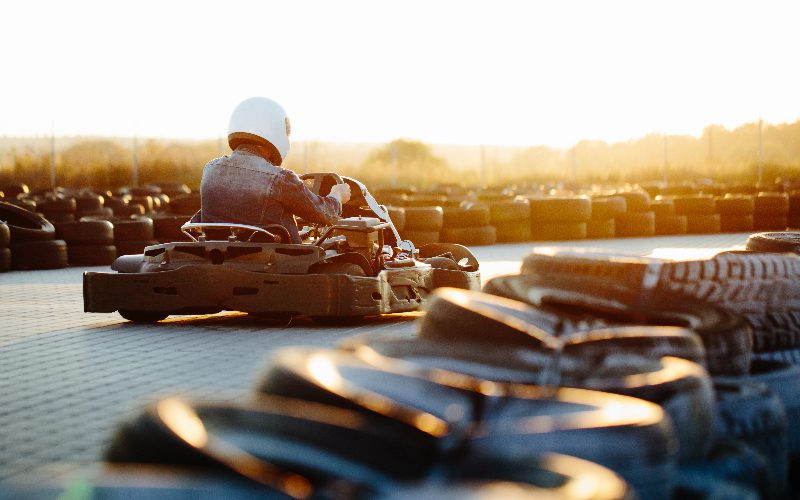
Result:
x=167 y=227
x=25 y=225
x=745 y=283
x=38 y=254
x=5 y=252
x=635 y=224
x=780 y=242
x=467 y=225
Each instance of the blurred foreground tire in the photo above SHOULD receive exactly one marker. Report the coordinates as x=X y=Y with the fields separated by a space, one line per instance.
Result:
x=778 y=242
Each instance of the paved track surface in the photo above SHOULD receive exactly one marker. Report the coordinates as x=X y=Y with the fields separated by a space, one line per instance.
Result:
x=67 y=377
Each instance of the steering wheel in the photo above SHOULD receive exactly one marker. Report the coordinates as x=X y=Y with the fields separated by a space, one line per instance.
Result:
x=319 y=183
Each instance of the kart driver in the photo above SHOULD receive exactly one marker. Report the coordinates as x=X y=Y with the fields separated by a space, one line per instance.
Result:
x=250 y=187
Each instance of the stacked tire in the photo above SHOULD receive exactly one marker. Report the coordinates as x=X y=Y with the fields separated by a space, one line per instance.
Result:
x=605 y=209
x=5 y=251
x=89 y=242
x=736 y=213
x=467 y=225
x=667 y=221
x=423 y=224
x=700 y=212
x=771 y=212
x=559 y=217
x=32 y=240
x=57 y=208
x=638 y=219
x=131 y=234
x=511 y=219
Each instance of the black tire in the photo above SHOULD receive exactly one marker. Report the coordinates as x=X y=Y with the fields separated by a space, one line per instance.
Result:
x=133 y=229
x=143 y=316
x=636 y=201
x=564 y=231
x=128 y=210
x=770 y=222
x=168 y=227
x=771 y=204
x=187 y=204
x=44 y=254
x=750 y=412
x=608 y=207
x=726 y=337
x=5 y=235
x=671 y=224
x=735 y=205
x=662 y=208
x=508 y=211
x=89 y=202
x=601 y=229
x=700 y=204
x=731 y=470
x=635 y=224
x=555 y=210
x=424 y=219
x=89 y=232
x=398 y=216
x=56 y=205
x=456 y=315
x=25 y=225
x=461 y=217
x=735 y=223
x=469 y=236
x=5 y=260
x=59 y=217
x=779 y=242
x=420 y=236
x=513 y=232
x=703 y=223
x=91 y=255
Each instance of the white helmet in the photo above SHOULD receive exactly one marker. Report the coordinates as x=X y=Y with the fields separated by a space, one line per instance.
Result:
x=260 y=120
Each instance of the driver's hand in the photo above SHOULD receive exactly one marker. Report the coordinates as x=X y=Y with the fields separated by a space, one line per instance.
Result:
x=341 y=192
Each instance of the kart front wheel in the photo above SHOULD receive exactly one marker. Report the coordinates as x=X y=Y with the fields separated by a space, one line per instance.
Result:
x=142 y=316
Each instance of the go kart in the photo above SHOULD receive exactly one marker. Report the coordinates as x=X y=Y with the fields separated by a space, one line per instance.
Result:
x=357 y=267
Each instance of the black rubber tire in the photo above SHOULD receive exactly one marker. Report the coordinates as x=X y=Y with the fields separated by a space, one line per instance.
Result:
x=133 y=229
x=601 y=229
x=469 y=236
x=671 y=224
x=167 y=227
x=89 y=232
x=507 y=211
x=59 y=217
x=456 y=315
x=56 y=205
x=663 y=207
x=5 y=260
x=424 y=218
x=14 y=189
x=187 y=204
x=732 y=470
x=703 y=223
x=635 y=224
x=557 y=210
x=398 y=216
x=735 y=223
x=726 y=337
x=636 y=201
x=513 y=231
x=91 y=255
x=750 y=412
x=735 y=205
x=146 y=201
x=458 y=217
x=770 y=222
x=608 y=207
x=771 y=204
x=5 y=235
x=422 y=200
x=778 y=242
x=420 y=236
x=143 y=316
x=128 y=210
x=25 y=225
x=43 y=254
x=700 y=204
x=562 y=231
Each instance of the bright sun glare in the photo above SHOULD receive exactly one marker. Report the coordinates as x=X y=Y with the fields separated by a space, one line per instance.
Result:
x=442 y=72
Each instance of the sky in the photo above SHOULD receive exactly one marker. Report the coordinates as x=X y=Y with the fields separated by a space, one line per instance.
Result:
x=443 y=72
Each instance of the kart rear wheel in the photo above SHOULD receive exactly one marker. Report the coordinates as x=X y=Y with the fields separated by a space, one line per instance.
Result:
x=142 y=316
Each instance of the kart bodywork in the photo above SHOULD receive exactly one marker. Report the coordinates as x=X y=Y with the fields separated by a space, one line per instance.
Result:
x=357 y=267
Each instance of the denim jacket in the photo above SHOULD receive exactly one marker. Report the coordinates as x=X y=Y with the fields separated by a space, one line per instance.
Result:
x=244 y=188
